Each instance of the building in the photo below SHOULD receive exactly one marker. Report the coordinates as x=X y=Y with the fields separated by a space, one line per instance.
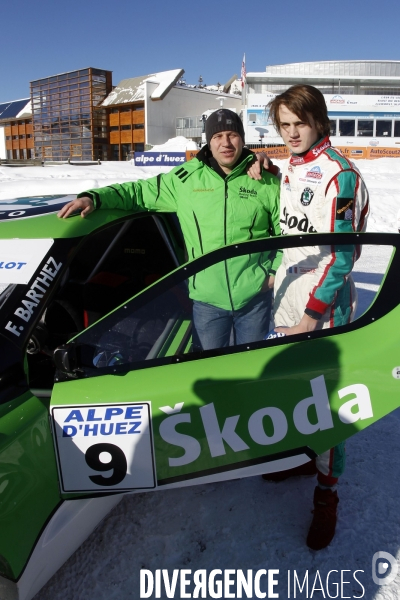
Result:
x=16 y=132
x=79 y=116
x=148 y=110
x=363 y=99
x=68 y=121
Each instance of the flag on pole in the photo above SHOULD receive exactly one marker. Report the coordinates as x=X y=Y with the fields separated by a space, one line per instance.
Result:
x=243 y=71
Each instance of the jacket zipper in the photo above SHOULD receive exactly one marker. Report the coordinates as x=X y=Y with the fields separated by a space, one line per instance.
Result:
x=251 y=226
x=198 y=232
x=226 y=266
x=194 y=276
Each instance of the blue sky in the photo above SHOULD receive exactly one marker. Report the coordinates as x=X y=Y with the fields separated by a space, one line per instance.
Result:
x=206 y=38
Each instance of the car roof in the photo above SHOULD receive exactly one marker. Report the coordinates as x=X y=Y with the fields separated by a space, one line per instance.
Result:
x=34 y=217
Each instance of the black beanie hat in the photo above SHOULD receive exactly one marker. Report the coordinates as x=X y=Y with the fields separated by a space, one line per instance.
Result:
x=223 y=120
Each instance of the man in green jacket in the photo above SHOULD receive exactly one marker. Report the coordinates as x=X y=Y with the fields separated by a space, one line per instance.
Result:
x=217 y=204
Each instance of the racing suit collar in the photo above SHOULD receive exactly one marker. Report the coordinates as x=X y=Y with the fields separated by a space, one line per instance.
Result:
x=312 y=153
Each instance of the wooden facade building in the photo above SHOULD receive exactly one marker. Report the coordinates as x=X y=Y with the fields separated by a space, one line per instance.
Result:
x=16 y=123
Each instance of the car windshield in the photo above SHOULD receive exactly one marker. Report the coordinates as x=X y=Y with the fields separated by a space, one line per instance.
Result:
x=179 y=318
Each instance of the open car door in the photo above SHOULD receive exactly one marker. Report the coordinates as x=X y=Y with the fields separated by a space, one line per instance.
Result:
x=137 y=407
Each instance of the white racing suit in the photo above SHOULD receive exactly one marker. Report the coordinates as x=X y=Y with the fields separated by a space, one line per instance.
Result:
x=321 y=191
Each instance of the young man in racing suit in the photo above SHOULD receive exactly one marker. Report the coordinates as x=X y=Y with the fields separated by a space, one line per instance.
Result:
x=217 y=203
x=321 y=191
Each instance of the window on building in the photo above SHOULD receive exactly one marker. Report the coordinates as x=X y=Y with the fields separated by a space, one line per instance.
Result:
x=383 y=128
x=397 y=129
x=114 y=152
x=100 y=152
x=125 y=151
x=365 y=127
x=76 y=150
x=333 y=127
x=126 y=127
x=139 y=147
x=114 y=128
x=138 y=126
x=347 y=127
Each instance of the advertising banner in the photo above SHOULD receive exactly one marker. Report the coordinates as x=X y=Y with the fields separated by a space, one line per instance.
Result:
x=159 y=159
x=362 y=99
x=383 y=152
x=350 y=152
x=191 y=154
x=171 y=159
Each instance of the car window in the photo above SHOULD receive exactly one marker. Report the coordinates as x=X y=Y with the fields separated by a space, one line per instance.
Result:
x=212 y=306
x=115 y=264
x=108 y=267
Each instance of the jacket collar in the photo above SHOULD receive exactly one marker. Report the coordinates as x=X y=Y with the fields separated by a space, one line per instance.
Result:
x=312 y=153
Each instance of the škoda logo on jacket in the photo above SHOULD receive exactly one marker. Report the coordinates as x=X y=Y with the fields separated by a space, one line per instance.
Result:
x=245 y=193
x=292 y=222
x=306 y=196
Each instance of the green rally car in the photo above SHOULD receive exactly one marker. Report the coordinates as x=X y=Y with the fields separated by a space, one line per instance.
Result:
x=102 y=392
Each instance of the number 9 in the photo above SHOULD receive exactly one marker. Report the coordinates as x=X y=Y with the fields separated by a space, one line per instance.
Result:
x=117 y=462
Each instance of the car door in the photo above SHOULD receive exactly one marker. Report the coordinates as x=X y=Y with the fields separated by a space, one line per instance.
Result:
x=136 y=407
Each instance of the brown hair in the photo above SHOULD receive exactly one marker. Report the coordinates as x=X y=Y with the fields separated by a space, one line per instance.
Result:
x=302 y=100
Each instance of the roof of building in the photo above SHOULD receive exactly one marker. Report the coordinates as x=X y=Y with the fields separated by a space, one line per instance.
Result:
x=15 y=109
x=357 y=68
x=62 y=75
x=133 y=89
x=350 y=72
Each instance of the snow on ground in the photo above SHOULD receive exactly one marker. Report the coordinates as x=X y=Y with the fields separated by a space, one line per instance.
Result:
x=249 y=523
x=176 y=144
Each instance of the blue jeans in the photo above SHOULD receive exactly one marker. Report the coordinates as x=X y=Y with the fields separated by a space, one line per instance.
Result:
x=218 y=328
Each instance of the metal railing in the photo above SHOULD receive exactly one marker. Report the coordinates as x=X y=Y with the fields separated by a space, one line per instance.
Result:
x=38 y=162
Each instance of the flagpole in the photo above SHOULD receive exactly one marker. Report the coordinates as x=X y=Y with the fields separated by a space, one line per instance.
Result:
x=243 y=79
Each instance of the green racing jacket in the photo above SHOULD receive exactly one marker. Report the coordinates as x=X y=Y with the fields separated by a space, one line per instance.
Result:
x=213 y=211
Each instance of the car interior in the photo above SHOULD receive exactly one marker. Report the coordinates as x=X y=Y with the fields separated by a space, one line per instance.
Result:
x=109 y=267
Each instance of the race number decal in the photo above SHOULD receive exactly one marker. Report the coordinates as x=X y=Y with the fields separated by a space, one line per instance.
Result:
x=104 y=447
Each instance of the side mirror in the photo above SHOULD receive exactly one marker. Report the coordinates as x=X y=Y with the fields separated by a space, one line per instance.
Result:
x=65 y=359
